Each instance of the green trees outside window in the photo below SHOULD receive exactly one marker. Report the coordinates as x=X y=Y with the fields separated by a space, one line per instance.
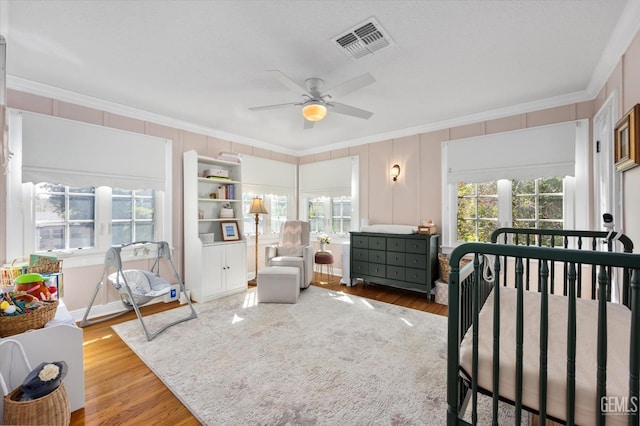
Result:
x=536 y=203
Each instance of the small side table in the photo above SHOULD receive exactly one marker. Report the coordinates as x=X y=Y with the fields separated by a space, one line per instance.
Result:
x=321 y=258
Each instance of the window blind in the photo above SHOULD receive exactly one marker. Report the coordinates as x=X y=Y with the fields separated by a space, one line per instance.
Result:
x=330 y=178
x=73 y=153
x=265 y=176
x=523 y=154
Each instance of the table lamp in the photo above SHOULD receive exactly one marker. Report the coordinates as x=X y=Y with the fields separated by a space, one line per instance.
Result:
x=257 y=208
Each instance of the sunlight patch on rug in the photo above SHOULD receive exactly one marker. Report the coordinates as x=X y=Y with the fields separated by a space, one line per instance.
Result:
x=330 y=359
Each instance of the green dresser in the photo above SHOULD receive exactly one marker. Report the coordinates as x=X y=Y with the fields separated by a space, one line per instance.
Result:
x=407 y=261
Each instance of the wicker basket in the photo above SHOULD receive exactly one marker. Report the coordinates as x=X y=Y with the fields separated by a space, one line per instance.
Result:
x=13 y=271
x=443 y=262
x=16 y=324
x=51 y=409
x=19 y=266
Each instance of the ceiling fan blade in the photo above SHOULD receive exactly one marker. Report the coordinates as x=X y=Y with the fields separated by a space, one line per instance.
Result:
x=308 y=124
x=349 y=110
x=289 y=83
x=277 y=106
x=350 y=86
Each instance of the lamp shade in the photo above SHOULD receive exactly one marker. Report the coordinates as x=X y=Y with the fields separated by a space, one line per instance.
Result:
x=314 y=111
x=257 y=206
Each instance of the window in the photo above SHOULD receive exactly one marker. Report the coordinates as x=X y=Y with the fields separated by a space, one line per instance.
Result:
x=329 y=215
x=76 y=214
x=483 y=207
x=538 y=203
x=477 y=211
x=329 y=196
x=65 y=217
x=341 y=218
x=132 y=216
x=277 y=206
x=316 y=209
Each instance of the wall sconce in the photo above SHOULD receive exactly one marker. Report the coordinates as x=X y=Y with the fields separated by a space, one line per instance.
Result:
x=395 y=172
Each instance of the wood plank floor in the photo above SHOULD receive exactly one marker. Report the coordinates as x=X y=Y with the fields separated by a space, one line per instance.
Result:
x=121 y=390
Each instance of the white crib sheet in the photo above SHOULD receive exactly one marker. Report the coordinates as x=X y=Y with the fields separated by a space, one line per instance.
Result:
x=618 y=329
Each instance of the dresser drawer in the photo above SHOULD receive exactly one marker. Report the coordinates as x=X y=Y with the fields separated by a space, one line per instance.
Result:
x=377 y=256
x=416 y=261
x=395 y=273
x=396 y=244
x=416 y=246
x=377 y=243
x=395 y=258
x=359 y=268
x=361 y=255
x=359 y=241
x=377 y=270
x=415 y=275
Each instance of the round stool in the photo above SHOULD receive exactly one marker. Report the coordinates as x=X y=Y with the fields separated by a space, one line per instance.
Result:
x=324 y=258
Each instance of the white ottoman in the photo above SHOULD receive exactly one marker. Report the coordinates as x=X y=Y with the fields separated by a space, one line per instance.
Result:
x=278 y=284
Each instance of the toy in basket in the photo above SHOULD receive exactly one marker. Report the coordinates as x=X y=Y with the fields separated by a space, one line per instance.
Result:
x=34 y=264
x=33 y=284
x=22 y=311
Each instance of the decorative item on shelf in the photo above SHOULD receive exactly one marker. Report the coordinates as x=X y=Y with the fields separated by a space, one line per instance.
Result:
x=627 y=140
x=257 y=208
x=427 y=228
x=323 y=240
x=230 y=231
x=231 y=157
x=208 y=238
x=215 y=173
x=222 y=192
x=226 y=211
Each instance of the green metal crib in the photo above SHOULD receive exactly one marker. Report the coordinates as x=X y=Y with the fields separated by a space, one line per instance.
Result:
x=532 y=327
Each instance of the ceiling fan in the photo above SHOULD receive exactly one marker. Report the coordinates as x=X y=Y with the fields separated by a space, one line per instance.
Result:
x=315 y=102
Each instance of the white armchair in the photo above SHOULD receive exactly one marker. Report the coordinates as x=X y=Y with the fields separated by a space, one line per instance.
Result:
x=293 y=250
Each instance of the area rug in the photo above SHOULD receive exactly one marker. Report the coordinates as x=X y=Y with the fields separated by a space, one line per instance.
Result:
x=330 y=359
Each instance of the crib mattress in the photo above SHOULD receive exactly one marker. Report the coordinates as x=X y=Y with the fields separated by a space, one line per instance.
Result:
x=618 y=329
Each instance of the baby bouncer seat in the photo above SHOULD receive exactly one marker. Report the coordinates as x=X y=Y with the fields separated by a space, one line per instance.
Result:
x=138 y=287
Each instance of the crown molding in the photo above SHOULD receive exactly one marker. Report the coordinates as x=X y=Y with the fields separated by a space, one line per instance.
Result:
x=40 y=89
x=627 y=27
x=557 y=101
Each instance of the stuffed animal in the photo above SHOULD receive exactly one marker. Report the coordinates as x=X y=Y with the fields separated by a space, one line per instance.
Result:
x=33 y=284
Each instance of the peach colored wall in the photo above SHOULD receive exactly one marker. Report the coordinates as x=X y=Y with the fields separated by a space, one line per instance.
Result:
x=80 y=282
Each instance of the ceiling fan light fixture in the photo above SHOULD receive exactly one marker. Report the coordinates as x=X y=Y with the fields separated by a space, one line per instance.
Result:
x=314 y=111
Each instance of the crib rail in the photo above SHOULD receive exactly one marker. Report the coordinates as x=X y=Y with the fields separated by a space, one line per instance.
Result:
x=574 y=239
x=462 y=315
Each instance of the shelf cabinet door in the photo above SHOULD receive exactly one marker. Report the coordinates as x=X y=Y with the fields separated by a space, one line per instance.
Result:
x=212 y=272
x=234 y=268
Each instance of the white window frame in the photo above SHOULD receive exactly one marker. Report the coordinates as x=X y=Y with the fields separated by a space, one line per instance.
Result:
x=21 y=214
x=337 y=189
x=265 y=229
x=505 y=197
x=575 y=190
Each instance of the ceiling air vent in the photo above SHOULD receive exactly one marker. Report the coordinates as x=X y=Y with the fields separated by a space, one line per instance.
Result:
x=363 y=39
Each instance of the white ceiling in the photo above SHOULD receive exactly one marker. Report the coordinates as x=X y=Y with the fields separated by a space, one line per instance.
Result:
x=200 y=65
